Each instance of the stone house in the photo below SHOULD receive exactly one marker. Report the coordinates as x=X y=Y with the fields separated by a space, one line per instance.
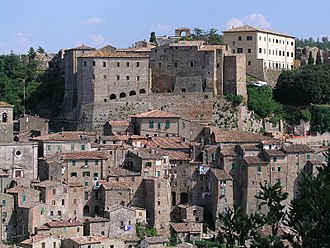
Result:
x=192 y=66
x=40 y=241
x=92 y=242
x=189 y=213
x=64 y=201
x=156 y=123
x=122 y=221
x=61 y=228
x=23 y=195
x=154 y=242
x=140 y=214
x=157 y=203
x=113 y=139
x=33 y=125
x=96 y=226
x=6 y=122
x=65 y=141
x=106 y=76
x=185 y=232
x=118 y=128
x=264 y=49
x=8 y=217
x=221 y=192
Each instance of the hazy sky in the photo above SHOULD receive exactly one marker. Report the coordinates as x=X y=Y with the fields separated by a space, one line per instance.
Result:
x=60 y=24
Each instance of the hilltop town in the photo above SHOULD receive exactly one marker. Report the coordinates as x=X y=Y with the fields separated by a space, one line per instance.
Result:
x=150 y=148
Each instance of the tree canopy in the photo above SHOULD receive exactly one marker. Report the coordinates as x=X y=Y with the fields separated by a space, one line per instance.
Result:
x=308 y=84
x=210 y=36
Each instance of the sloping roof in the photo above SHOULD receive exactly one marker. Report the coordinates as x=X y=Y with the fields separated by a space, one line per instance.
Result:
x=63 y=223
x=233 y=136
x=5 y=104
x=274 y=153
x=177 y=155
x=145 y=153
x=249 y=28
x=254 y=160
x=48 y=183
x=67 y=136
x=167 y=143
x=96 y=219
x=228 y=151
x=116 y=185
x=156 y=114
x=189 y=227
x=297 y=148
x=105 y=54
x=120 y=123
x=155 y=240
x=220 y=174
x=82 y=47
x=82 y=240
x=35 y=239
x=79 y=155
x=115 y=138
x=121 y=172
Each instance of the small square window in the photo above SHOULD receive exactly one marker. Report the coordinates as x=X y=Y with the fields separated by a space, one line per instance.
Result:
x=127 y=77
x=137 y=64
x=239 y=37
x=118 y=77
x=127 y=64
x=104 y=64
x=118 y=64
x=137 y=78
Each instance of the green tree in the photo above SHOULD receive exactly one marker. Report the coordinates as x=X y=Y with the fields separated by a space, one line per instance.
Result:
x=318 y=58
x=309 y=214
x=311 y=58
x=40 y=50
x=153 y=37
x=31 y=53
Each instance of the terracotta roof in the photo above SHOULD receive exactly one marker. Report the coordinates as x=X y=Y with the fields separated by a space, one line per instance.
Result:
x=156 y=114
x=167 y=143
x=63 y=223
x=82 y=47
x=146 y=153
x=232 y=136
x=250 y=147
x=67 y=136
x=48 y=183
x=30 y=204
x=220 y=174
x=105 y=54
x=34 y=239
x=96 y=219
x=248 y=28
x=74 y=184
x=121 y=172
x=274 y=153
x=212 y=47
x=254 y=160
x=115 y=185
x=228 y=151
x=18 y=189
x=79 y=155
x=156 y=240
x=176 y=155
x=120 y=123
x=4 y=104
x=184 y=43
x=182 y=29
x=81 y=240
x=187 y=227
x=115 y=138
x=297 y=148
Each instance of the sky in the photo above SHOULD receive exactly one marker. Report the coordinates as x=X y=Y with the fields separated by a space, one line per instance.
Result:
x=59 y=24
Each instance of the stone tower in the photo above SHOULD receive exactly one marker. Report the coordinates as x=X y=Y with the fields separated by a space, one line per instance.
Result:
x=6 y=122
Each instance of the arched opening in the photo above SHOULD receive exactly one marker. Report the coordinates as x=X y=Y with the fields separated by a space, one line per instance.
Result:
x=183 y=198
x=142 y=91
x=97 y=210
x=173 y=198
x=122 y=95
x=86 y=210
x=132 y=93
x=183 y=90
x=113 y=96
x=183 y=34
x=4 y=117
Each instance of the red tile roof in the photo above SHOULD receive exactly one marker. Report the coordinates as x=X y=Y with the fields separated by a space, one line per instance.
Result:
x=63 y=223
x=232 y=136
x=156 y=114
x=220 y=174
x=105 y=54
x=167 y=143
x=176 y=155
x=248 y=28
x=120 y=123
x=297 y=148
x=35 y=239
x=156 y=240
x=115 y=138
x=254 y=160
x=67 y=136
x=79 y=155
x=187 y=227
x=4 y=104
x=82 y=240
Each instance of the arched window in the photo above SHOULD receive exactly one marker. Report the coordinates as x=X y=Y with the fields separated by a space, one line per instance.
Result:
x=122 y=95
x=142 y=91
x=183 y=90
x=4 y=117
x=132 y=93
x=86 y=210
x=113 y=96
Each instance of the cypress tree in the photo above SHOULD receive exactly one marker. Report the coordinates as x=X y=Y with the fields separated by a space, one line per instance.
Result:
x=152 y=37
x=310 y=58
x=318 y=58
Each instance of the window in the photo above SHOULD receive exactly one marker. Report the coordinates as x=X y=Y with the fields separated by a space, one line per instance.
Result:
x=260 y=50
x=86 y=174
x=234 y=43
x=127 y=64
x=137 y=64
x=127 y=77
x=151 y=124
x=54 y=191
x=72 y=147
x=158 y=203
x=137 y=78
x=308 y=156
x=160 y=65
x=249 y=38
x=49 y=147
x=118 y=64
x=250 y=50
x=82 y=147
x=159 y=125
x=73 y=162
x=239 y=50
x=23 y=198
x=175 y=64
x=239 y=37
x=86 y=184
x=191 y=64
x=63 y=202
x=105 y=76
x=86 y=196
x=51 y=213
x=73 y=174
x=118 y=77
x=249 y=62
x=85 y=63
x=93 y=63
x=96 y=174
x=4 y=202
x=279 y=169
x=158 y=174
x=233 y=166
x=59 y=213
x=168 y=124
x=75 y=201
x=233 y=51
x=259 y=168
x=104 y=64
